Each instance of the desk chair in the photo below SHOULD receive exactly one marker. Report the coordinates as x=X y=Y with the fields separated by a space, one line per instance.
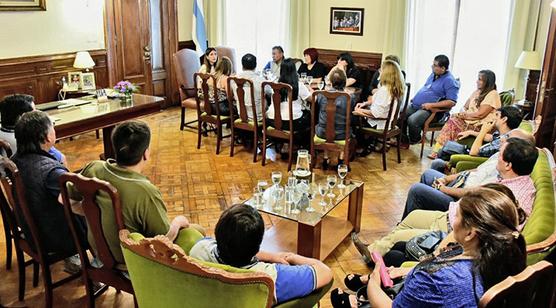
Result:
x=186 y=63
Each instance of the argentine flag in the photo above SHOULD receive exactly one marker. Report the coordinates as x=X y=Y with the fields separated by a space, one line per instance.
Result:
x=198 y=29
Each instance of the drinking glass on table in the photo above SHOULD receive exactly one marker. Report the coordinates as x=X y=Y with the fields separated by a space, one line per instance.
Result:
x=258 y=196
x=303 y=77
x=292 y=181
x=311 y=194
x=276 y=178
x=309 y=80
x=331 y=181
x=323 y=189
x=321 y=85
x=278 y=195
x=290 y=200
x=342 y=173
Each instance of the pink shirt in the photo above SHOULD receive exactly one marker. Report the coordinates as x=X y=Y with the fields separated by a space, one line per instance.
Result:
x=524 y=192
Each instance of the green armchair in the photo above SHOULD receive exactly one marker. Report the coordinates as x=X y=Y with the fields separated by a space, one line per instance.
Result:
x=164 y=276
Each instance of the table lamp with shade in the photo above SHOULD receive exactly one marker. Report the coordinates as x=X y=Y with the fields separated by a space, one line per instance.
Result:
x=83 y=60
x=530 y=60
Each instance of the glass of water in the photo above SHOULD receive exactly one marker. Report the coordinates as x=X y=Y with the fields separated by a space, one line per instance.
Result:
x=331 y=181
x=321 y=85
x=309 y=80
x=278 y=196
x=342 y=173
x=323 y=189
x=276 y=178
x=303 y=77
x=311 y=194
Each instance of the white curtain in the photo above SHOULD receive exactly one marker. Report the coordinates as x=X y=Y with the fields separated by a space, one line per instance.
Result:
x=215 y=19
x=395 y=29
x=298 y=27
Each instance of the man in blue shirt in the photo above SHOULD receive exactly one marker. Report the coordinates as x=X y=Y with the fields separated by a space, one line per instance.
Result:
x=440 y=91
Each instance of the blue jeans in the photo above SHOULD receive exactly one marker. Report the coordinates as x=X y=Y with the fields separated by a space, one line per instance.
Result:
x=416 y=118
x=423 y=196
x=439 y=165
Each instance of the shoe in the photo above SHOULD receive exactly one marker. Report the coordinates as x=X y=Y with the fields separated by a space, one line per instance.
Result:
x=432 y=155
x=72 y=265
x=404 y=145
x=363 y=250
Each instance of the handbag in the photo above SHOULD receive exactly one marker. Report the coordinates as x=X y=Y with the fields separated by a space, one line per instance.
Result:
x=450 y=148
x=424 y=244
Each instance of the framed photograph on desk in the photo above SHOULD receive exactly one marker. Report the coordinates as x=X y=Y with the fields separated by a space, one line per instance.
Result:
x=88 y=81
x=346 y=21
x=74 y=81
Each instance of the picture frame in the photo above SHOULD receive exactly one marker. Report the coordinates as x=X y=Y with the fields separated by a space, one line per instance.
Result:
x=348 y=21
x=22 y=5
x=74 y=81
x=88 y=81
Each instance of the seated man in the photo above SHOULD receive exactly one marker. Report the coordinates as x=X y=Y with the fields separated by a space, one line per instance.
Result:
x=142 y=207
x=507 y=121
x=515 y=163
x=40 y=172
x=441 y=84
x=249 y=63
x=11 y=108
x=239 y=234
x=436 y=190
x=277 y=59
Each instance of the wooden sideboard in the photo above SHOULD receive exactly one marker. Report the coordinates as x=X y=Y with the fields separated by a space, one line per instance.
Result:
x=41 y=76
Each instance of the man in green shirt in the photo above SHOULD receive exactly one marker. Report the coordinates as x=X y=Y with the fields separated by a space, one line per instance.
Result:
x=141 y=202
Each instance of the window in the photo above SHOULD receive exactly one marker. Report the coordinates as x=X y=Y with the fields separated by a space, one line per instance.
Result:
x=255 y=26
x=472 y=33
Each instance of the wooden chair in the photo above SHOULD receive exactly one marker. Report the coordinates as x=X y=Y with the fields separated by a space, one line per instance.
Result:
x=7 y=150
x=108 y=273
x=14 y=201
x=403 y=109
x=534 y=287
x=433 y=124
x=229 y=52
x=204 y=112
x=390 y=130
x=277 y=132
x=330 y=144
x=243 y=122
x=186 y=63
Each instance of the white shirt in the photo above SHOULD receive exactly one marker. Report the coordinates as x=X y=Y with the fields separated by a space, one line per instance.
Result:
x=485 y=173
x=380 y=107
x=257 y=81
x=297 y=105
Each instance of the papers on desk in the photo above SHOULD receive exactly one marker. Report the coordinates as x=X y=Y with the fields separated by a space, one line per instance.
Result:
x=72 y=102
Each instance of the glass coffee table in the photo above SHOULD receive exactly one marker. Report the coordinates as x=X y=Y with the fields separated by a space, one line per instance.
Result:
x=315 y=233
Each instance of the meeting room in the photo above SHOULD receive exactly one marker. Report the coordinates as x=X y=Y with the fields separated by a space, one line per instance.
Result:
x=277 y=153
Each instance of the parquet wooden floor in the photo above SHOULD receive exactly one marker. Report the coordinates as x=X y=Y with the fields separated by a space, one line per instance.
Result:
x=200 y=184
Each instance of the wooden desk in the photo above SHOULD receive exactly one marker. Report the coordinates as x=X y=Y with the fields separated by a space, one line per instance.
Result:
x=78 y=120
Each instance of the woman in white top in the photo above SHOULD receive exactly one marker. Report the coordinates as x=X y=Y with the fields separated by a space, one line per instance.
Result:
x=300 y=93
x=390 y=91
x=209 y=61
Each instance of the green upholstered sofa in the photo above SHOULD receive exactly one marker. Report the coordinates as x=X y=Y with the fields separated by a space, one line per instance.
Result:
x=166 y=277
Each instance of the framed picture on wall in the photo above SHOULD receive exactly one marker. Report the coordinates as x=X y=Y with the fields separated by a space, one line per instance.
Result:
x=74 y=81
x=88 y=81
x=23 y=5
x=346 y=21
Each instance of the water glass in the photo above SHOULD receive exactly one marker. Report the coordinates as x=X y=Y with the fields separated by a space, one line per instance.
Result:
x=258 y=197
x=331 y=181
x=261 y=186
x=309 y=80
x=276 y=178
x=342 y=173
x=311 y=194
x=292 y=181
x=278 y=198
x=323 y=189
x=321 y=85
x=303 y=77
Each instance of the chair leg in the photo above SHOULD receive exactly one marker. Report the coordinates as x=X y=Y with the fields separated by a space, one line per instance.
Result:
x=263 y=150
x=423 y=142
x=432 y=137
x=199 y=133
x=47 y=280
x=97 y=133
x=232 y=142
x=9 y=248
x=255 y=145
x=384 y=154
x=21 y=270
x=90 y=293
x=398 y=140
x=218 y=138
x=182 y=123
x=36 y=268
x=290 y=158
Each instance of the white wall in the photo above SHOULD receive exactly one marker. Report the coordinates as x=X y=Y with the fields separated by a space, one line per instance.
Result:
x=65 y=26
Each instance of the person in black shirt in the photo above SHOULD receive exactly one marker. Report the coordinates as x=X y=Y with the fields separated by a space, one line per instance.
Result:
x=345 y=62
x=312 y=67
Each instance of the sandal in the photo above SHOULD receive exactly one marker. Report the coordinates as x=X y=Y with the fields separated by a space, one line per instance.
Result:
x=433 y=155
x=341 y=300
x=354 y=283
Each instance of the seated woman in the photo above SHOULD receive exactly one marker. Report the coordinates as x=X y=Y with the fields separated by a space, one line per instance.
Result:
x=488 y=249
x=221 y=73
x=480 y=108
x=312 y=67
x=209 y=61
x=375 y=80
x=390 y=91
x=300 y=93
x=345 y=62
x=338 y=81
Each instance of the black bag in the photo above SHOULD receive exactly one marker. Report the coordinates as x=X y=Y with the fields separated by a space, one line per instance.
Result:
x=423 y=245
x=450 y=148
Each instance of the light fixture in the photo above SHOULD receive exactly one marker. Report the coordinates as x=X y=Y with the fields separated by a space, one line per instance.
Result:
x=529 y=60
x=83 y=60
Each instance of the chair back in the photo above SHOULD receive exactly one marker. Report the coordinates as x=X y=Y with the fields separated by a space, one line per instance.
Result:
x=164 y=276
x=531 y=288
x=277 y=88
x=206 y=84
x=507 y=97
x=186 y=63
x=241 y=84
x=297 y=63
x=17 y=211
x=89 y=189
x=229 y=52
x=5 y=148
x=331 y=98
x=403 y=109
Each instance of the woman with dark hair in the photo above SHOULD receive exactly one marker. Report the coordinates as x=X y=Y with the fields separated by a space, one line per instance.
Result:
x=209 y=61
x=312 y=67
x=345 y=62
x=488 y=249
x=480 y=108
x=300 y=93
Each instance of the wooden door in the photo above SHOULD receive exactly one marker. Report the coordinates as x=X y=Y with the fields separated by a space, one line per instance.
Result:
x=129 y=42
x=546 y=102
